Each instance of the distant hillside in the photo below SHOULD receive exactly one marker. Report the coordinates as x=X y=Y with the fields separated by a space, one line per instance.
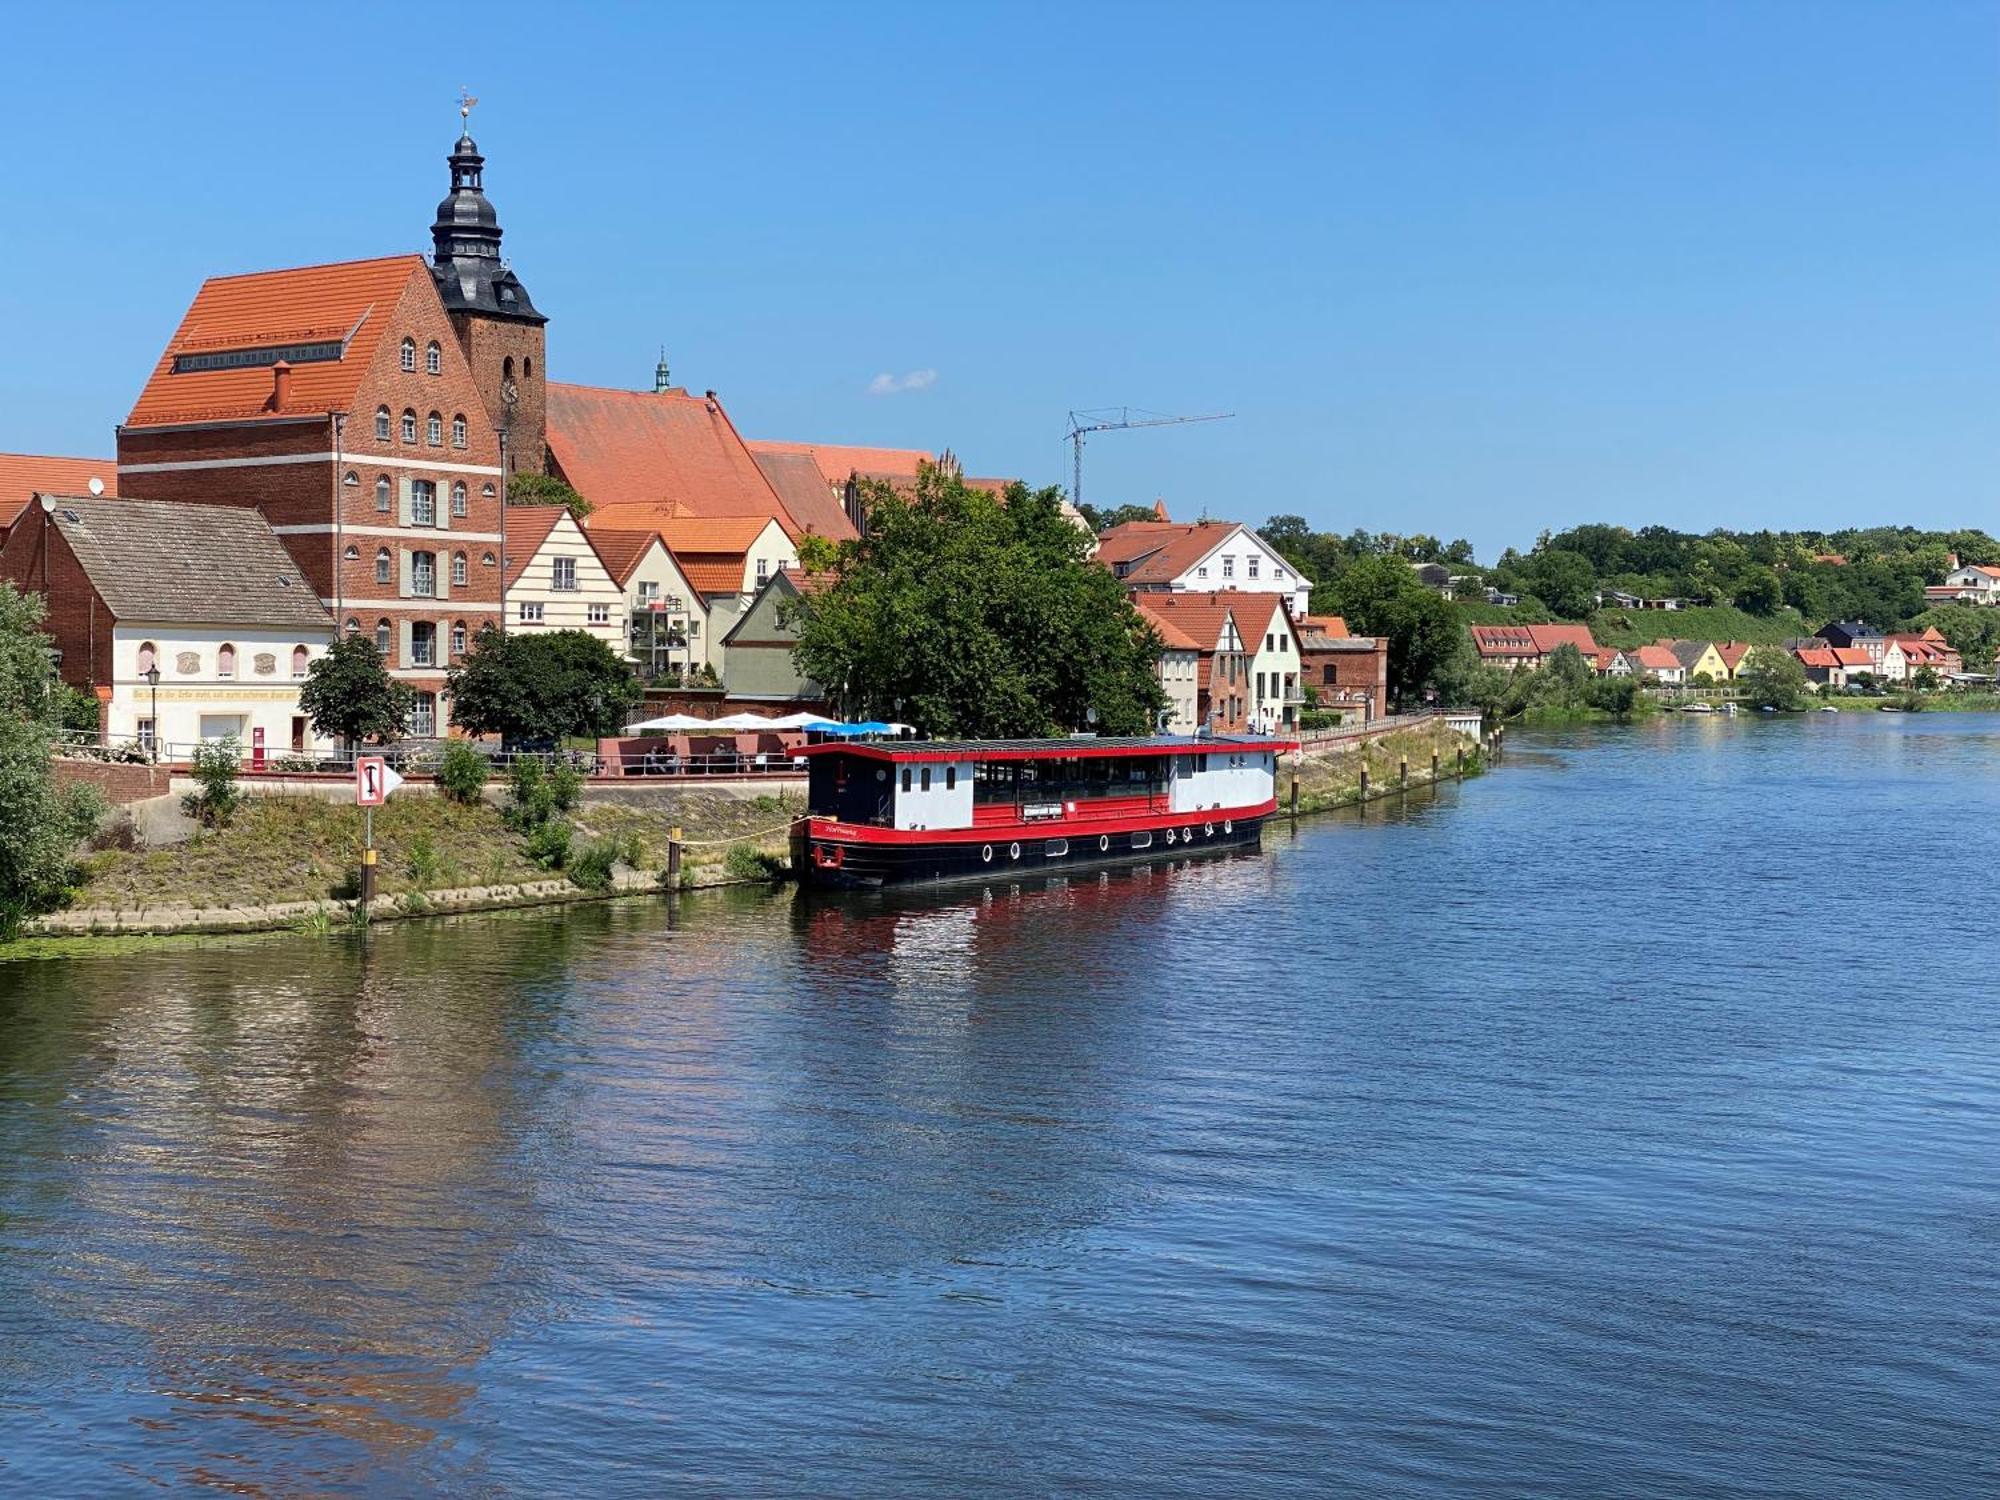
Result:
x=1709 y=622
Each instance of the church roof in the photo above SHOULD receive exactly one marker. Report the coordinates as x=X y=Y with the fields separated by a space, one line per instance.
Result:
x=465 y=246
x=803 y=488
x=673 y=453
x=23 y=474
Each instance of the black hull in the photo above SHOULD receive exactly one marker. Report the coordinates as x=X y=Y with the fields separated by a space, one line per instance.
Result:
x=870 y=866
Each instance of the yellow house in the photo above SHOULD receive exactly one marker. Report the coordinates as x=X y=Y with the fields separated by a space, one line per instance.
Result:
x=1736 y=655
x=1697 y=657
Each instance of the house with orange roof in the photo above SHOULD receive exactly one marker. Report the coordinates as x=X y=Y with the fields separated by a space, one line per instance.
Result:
x=725 y=560
x=1821 y=664
x=1223 y=653
x=556 y=580
x=1928 y=648
x=1974 y=583
x=664 y=616
x=1855 y=661
x=1276 y=658
x=1162 y=556
x=1656 y=663
x=23 y=475
x=843 y=468
x=668 y=452
x=1511 y=647
x=1734 y=656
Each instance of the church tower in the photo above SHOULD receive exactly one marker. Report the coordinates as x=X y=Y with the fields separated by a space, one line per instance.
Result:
x=502 y=334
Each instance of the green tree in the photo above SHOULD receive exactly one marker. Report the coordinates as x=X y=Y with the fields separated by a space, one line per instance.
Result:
x=1760 y=591
x=1380 y=596
x=216 y=795
x=1773 y=679
x=541 y=688
x=972 y=615
x=546 y=489
x=1926 y=680
x=1565 y=581
x=1103 y=520
x=40 y=822
x=349 y=695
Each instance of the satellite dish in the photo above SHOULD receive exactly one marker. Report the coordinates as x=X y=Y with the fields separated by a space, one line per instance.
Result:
x=96 y=485
x=49 y=504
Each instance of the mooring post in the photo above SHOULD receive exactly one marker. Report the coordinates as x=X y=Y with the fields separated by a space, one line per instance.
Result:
x=1295 y=789
x=1461 y=760
x=1364 y=783
x=1403 y=774
x=367 y=856
x=1434 y=765
x=674 y=858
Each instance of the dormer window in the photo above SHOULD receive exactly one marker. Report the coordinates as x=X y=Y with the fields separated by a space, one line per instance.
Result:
x=409 y=425
x=434 y=358
x=409 y=356
x=382 y=423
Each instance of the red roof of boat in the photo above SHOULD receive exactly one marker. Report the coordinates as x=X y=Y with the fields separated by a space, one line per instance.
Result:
x=1082 y=747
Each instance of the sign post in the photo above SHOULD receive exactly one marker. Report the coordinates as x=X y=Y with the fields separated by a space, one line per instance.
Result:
x=373 y=781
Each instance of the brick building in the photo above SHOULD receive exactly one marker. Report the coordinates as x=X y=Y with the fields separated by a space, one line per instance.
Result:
x=1344 y=669
x=369 y=411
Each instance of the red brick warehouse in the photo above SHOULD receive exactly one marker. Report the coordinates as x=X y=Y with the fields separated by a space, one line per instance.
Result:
x=371 y=410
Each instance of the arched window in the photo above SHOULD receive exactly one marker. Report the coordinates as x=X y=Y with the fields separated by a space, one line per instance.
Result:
x=458 y=430
x=458 y=498
x=383 y=489
x=409 y=355
x=382 y=561
x=350 y=480
x=352 y=554
x=148 y=654
x=225 y=661
x=409 y=425
x=434 y=358
x=458 y=638
x=527 y=369
x=434 y=430
x=486 y=561
x=487 y=490
x=299 y=661
x=382 y=423
x=382 y=636
x=353 y=626
x=507 y=368
x=458 y=570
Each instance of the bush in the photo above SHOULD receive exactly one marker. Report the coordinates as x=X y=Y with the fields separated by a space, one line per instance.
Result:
x=746 y=863
x=462 y=772
x=423 y=860
x=530 y=800
x=216 y=795
x=565 y=783
x=548 y=845
x=591 y=866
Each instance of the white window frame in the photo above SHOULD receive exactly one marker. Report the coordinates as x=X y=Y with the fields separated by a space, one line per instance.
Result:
x=562 y=574
x=531 y=611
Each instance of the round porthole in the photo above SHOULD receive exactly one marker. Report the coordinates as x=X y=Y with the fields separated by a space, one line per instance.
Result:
x=1103 y=842
x=986 y=854
x=1013 y=851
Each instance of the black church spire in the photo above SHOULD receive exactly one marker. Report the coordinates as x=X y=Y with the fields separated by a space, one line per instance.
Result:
x=465 y=240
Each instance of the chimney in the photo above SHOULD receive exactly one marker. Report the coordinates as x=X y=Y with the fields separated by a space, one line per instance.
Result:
x=281 y=380
x=709 y=397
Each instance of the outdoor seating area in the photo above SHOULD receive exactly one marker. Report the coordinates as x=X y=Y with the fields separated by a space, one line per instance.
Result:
x=742 y=744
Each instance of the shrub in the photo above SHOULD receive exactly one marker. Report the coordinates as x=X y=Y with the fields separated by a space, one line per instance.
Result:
x=548 y=845
x=462 y=772
x=746 y=863
x=216 y=795
x=565 y=784
x=591 y=867
x=531 y=801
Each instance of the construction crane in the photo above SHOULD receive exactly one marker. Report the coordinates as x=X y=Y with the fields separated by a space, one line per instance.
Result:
x=1117 y=419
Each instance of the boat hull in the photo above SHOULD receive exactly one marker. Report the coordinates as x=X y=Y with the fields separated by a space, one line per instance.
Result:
x=833 y=859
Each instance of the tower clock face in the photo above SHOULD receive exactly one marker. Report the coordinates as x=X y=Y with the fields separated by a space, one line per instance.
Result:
x=509 y=392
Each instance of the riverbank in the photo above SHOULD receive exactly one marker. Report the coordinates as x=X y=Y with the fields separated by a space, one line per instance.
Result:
x=287 y=862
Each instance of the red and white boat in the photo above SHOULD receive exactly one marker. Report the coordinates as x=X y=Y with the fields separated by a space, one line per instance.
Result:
x=907 y=811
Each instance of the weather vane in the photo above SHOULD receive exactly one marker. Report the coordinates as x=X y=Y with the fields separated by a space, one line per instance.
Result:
x=466 y=103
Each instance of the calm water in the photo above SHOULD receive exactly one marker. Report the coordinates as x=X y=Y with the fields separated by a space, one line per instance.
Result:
x=1624 y=1123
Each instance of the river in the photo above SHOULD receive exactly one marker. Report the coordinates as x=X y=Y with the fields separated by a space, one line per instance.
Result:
x=1625 y=1122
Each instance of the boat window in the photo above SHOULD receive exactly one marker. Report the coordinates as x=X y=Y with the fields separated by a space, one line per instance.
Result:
x=924 y=779
x=1142 y=840
x=1055 y=848
x=906 y=778
x=950 y=777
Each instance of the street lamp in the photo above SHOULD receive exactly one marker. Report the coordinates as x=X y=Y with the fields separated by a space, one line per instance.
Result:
x=152 y=676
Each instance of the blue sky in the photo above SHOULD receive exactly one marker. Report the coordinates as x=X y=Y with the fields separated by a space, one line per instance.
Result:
x=1468 y=269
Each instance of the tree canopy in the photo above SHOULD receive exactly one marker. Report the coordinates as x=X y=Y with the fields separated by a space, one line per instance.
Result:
x=1379 y=595
x=970 y=615
x=546 y=489
x=40 y=822
x=541 y=688
x=349 y=695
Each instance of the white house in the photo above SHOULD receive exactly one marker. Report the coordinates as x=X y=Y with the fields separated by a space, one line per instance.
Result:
x=1273 y=644
x=665 y=619
x=187 y=622
x=556 y=580
x=1201 y=557
x=1976 y=583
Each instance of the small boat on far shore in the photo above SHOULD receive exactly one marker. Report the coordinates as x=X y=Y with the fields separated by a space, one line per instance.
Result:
x=1696 y=708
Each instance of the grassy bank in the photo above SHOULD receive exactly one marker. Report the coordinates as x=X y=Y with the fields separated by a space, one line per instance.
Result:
x=281 y=849
x=1333 y=779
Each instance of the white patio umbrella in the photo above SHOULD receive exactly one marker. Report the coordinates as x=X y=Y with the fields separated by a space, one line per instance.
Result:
x=670 y=722
x=803 y=721
x=738 y=721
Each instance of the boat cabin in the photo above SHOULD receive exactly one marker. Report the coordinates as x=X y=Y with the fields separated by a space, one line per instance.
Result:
x=1014 y=783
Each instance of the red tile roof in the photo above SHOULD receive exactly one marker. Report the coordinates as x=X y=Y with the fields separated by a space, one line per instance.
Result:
x=1852 y=656
x=1199 y=617
x=1732 y=653
x=528 y=526
x=837 y=462
x=1160 y=551
x=350 y=302
x=673 y=452
x=1331 y=626
x=23 y=475
x=1654 y=659
x=1532 y=640
x=806 y=493
x=1816 y=656
x=620 y=551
